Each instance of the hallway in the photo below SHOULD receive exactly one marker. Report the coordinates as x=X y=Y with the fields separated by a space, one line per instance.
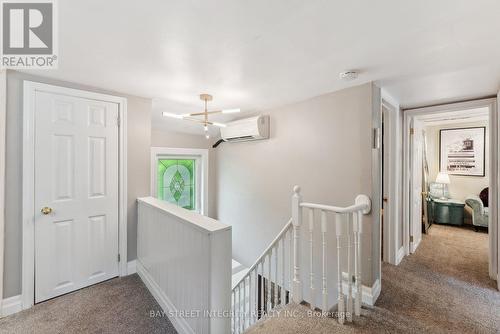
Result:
x=445 y=284
x=443 y=287
x=120 y=305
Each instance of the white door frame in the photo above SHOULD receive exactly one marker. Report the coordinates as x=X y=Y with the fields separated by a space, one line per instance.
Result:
x=392 y=225
x=494 y=153
x=3 y=120
x=28 y=209
x=184 y=152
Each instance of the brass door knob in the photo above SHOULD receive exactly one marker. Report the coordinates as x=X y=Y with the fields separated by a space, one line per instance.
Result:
x=46 y=210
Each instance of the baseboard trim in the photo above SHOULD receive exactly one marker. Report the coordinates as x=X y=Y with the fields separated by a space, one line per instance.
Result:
x=369 y=293
x=180 y=324
x=400 y=255
x=131 y=267
x=11 y=305
x=414 y=245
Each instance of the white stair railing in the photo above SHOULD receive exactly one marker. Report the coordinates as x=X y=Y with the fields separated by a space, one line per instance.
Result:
x=264 y=284
x=264 y=287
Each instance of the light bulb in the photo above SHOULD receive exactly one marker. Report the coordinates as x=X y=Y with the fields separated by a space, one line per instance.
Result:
x=206 y=128
x=230 y=111
x=220 y=125
x=207 y=136
x=169 y=114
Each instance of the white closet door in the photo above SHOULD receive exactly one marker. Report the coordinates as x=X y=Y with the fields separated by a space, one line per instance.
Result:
x=496 y=197
x=76 y=187
x=416 y=149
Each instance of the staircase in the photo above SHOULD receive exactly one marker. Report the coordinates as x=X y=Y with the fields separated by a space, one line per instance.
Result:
x=238 y=271
x=281 y=275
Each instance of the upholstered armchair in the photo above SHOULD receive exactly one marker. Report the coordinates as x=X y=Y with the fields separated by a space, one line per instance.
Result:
x=479 y=212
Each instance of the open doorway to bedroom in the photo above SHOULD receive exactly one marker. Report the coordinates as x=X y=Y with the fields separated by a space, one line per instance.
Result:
x=451 y=180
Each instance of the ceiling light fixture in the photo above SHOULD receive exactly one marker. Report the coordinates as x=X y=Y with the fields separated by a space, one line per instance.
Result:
x=205 y=113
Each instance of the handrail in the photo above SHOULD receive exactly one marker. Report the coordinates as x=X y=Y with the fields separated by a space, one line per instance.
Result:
x=264 y=254
x=348 y=209
x=263 y=286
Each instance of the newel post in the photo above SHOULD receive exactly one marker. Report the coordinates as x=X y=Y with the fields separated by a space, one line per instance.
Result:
x=296 y=221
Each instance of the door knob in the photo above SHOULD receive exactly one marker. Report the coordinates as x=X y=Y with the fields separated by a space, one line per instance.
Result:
x=46 y=210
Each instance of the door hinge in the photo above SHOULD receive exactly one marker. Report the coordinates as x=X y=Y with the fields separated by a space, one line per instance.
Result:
x=412 y=131
x=411 y=238
x=118 y=121
x=118 y=257
x=376 y=138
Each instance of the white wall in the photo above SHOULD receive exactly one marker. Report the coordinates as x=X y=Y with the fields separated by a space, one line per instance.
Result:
x=139 y=137
x=322 y=144
x=3 y=112
x=460 y=186
x=162 y=138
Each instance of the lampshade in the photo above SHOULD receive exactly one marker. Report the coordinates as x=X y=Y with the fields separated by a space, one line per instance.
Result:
x=443 y=178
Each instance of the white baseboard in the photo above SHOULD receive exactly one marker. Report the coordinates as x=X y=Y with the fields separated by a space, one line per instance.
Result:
x=131 y=267
x=369 y=294
x=180 y=324
x=400 y=255
x=414 y=245
x=11 y=305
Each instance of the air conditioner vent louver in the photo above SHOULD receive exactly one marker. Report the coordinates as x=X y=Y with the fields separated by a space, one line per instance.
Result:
x=247 y=129
x=240 y=138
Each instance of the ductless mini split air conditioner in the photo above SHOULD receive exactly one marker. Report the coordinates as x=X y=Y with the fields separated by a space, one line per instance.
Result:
x=253 y=128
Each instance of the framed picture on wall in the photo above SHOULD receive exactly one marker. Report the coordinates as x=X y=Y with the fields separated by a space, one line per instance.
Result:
x=462 y=151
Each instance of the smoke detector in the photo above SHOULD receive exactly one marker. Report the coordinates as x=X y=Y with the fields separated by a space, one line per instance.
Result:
x=348 y=75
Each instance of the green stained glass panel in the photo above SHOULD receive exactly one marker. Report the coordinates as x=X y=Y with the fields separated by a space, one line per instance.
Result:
x=176 y=183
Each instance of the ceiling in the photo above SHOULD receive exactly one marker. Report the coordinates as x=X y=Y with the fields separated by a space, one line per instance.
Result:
x=455 y=117
x=259 y=54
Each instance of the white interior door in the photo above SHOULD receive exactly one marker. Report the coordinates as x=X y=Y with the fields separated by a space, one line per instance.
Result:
x=416 y=149
x=497 y=204
x=388 y=232
x=76 y=181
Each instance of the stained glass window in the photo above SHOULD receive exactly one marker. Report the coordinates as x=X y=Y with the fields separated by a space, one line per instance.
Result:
x=176 y=182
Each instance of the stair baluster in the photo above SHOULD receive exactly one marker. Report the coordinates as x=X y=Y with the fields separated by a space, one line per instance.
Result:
x=358 y=274
x=290 y=262
x=282 y=289
x=311 y=258
x=324 y=305
x=340 y=298
x=276 y=275
x=263 y=287
x=349 y=277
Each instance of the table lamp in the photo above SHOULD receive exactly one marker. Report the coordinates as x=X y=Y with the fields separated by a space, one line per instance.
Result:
x=444 y=180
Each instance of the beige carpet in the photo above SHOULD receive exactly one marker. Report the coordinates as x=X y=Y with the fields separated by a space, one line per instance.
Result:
x=443 y=288
x=120 y=305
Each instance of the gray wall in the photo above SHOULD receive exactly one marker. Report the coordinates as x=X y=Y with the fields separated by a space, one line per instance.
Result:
x=139 y=137
x=323 y=145
x=161 y=138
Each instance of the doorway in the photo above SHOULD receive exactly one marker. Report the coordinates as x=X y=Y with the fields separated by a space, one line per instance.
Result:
x=457 y=170
x=74 y=190
x=390 y=184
